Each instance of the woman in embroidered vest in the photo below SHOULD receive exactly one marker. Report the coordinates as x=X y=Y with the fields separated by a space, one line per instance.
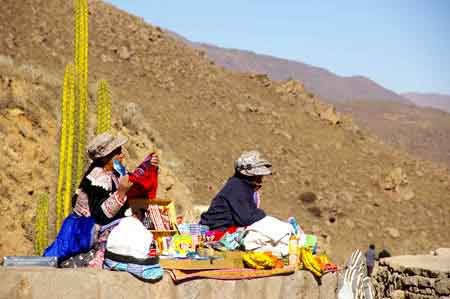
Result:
x=98 y=202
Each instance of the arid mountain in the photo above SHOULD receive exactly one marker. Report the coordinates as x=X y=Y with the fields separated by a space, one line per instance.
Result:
x=321 y=82
x=339 y=181
x=435 y=100
x=347 y=93
x=422 y=131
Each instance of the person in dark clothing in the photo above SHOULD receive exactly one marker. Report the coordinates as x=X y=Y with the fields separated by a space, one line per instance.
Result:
x=237 y=203
x=370 y=259
x=384 y=253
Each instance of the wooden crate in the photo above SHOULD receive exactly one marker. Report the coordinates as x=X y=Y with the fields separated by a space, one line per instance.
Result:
x=136 y=204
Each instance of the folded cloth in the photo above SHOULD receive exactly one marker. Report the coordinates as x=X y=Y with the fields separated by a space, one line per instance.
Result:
x=145 y=272
x=228 y=274
x=77 y=235
x=268 y=234
x=145 y=179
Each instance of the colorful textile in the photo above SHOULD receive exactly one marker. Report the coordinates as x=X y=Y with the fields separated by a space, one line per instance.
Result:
x=146 y=272
x=100 y=246
x=192 y=228
x=98 y=189
x=77 y=234
x=228 y=274
x=145 y=179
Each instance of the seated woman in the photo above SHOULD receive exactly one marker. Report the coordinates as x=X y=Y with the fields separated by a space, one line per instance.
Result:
x=237 y=205
x=100 y=199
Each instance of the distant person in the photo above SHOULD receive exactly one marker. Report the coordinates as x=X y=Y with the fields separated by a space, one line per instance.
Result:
x=370 y=259
x=384 y=253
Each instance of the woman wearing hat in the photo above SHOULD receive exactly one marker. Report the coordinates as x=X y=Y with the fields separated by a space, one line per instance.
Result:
x=99 y=200
x=237 y=206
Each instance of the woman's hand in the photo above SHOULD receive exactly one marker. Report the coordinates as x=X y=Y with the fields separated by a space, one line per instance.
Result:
x=154 y=160
x=124 y=185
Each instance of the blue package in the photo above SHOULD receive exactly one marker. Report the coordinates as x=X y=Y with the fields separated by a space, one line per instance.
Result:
x=119 y=167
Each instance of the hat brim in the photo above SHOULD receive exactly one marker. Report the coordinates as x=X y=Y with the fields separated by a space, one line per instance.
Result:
x=117 y=142
x=257 y=171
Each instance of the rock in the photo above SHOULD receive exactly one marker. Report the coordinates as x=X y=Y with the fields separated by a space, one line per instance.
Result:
x=406 y=193
x=330 y=115
x=393 y=232
x=394 y=179
x=425 y=282
x=283 y=133
x=124 y=53
x=410 y=281
x=292 y=87
x=106 y=58
x=398 y=294
x=442 y=286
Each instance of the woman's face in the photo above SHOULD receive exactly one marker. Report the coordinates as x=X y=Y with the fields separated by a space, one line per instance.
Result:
x=118 y=156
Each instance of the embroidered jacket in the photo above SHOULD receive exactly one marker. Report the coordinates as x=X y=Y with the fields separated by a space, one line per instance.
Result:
x=98 y=197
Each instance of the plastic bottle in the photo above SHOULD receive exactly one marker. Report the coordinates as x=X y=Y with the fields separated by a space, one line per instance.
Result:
x=293 y=245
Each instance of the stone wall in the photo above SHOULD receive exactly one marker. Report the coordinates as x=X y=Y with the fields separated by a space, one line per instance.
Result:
x=414 y=277
x=44 y=283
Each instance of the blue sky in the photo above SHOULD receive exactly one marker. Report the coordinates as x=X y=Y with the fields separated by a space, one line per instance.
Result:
x=402 y=45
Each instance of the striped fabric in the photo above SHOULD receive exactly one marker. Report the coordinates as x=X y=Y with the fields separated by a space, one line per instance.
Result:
x=192 y=228
x=146 y=272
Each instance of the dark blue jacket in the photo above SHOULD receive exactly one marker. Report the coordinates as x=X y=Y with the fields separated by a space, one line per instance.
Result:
x=232 y=206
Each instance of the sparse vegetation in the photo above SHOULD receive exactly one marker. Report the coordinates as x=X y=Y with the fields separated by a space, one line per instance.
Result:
x=103 y=107
x=41 y=225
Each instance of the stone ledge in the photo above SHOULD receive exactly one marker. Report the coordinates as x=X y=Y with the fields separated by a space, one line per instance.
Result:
x=45 y=283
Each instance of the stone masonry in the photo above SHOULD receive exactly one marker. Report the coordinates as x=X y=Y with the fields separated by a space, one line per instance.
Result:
x=414 y=277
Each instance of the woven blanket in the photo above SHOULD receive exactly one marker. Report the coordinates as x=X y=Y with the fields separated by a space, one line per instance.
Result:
x=228 y=274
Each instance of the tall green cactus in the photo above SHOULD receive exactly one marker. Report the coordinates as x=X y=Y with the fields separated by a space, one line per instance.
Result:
x=103 y=107
x=41 y=225
x=66 y=101
x=70 y=141
x=81 y=70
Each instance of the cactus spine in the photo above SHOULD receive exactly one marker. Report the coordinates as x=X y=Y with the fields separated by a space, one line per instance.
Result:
x=41 y=225
x=81 y=70
x=103 y=107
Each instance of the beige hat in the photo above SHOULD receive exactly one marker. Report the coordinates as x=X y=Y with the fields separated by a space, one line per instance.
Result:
x=252 y=164
x=104 y=144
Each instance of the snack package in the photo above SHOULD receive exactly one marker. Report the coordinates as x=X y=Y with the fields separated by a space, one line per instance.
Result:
x=181 y=246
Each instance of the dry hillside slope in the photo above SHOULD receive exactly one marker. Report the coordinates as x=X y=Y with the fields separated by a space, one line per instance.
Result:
x=201 y=117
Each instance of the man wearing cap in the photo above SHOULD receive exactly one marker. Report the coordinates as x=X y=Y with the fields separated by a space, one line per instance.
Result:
x=237 y=204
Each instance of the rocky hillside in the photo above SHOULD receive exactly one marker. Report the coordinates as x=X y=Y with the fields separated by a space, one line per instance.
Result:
x=339 y=181
x=322 y=82
x=435 y=100
x=347 y=93
x=422 y=131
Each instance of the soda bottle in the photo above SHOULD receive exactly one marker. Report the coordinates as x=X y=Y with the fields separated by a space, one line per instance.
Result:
x=293 y=245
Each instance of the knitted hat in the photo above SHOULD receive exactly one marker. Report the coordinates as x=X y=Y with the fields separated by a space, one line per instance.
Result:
x=104 y=144
x=252 y=164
